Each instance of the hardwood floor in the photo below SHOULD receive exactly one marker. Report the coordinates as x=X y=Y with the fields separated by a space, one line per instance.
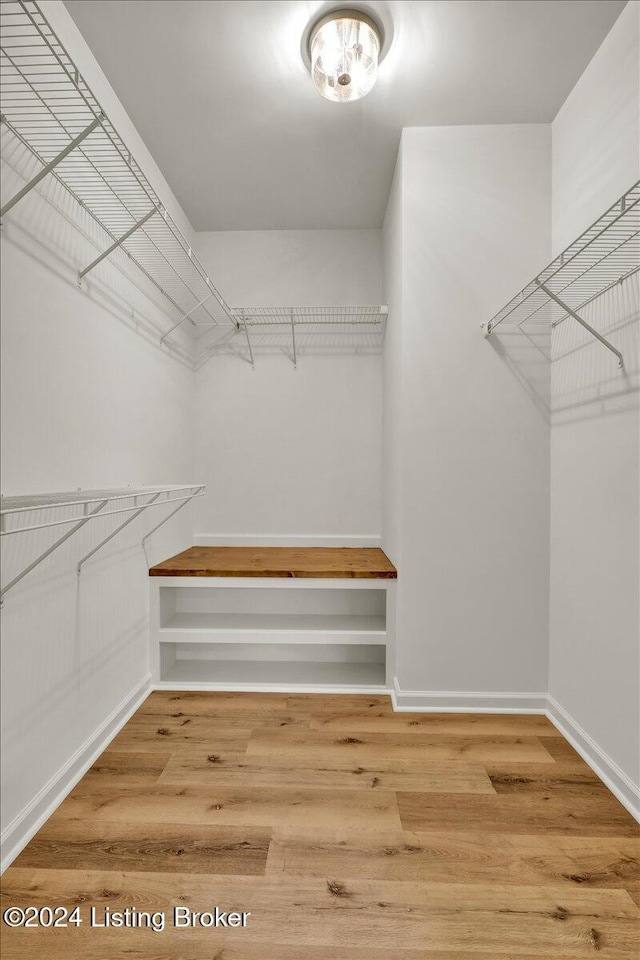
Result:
x=347 y=831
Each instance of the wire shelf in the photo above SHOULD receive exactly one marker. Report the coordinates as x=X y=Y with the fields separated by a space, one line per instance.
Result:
x=82 y=506
x=606 y=254
x=47 y=105
x=89 y=504
x=278 y=316
x=73 y=498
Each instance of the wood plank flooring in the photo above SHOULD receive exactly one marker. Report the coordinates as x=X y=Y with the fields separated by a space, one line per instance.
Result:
x=349 y=833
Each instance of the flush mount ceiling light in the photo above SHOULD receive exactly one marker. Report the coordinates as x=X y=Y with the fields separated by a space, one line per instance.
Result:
x=344 y=49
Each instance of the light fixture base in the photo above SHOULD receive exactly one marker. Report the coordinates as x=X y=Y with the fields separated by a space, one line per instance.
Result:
x=381 y=21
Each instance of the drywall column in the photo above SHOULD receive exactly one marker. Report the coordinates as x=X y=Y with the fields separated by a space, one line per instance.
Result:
x=595 y=453
x=466 y=447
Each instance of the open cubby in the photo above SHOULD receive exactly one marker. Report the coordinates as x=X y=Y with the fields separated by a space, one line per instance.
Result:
x=272 y=618
x=262 y=615
x=273 y=633
x=273 y=665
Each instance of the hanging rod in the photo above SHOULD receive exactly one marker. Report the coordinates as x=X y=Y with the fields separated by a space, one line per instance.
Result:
x=603 y=256
x=97 y=500
x=48 y=106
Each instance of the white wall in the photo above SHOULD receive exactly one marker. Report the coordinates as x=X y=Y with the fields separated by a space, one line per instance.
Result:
x=284 y=452
x=595 y=481
x=473 y=445
x=596 y=134
x=294 y=267
x=86 y=402
x=90 y=400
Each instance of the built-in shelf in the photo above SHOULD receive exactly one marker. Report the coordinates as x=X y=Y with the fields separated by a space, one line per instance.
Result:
x=299 y=628
x=604 y=255
x=295 y=563
x=273 y=674
x=273 y=617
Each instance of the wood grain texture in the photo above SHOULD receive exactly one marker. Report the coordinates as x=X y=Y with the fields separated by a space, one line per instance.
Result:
x=463 y=856
x=348 y=831
x=173 y=848
x=365 y=913
x=128 y=767
x=592 y=815
x=489 y=725
x=383 y=774
x=167 y=733
x=330 y=747
x=251 y=806
x=543 y=778
x=360 y=563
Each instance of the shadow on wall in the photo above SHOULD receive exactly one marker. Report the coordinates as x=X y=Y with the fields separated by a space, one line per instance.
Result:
x=587 y=382
x=526 y=351
x=72 y=648
x=49 y=225
x=343 y=340
x=567 y=373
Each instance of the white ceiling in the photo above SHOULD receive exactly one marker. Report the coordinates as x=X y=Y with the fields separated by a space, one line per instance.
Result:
x=219 y=93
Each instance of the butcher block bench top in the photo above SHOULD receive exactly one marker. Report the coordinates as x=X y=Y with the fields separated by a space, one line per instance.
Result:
x=364 y=563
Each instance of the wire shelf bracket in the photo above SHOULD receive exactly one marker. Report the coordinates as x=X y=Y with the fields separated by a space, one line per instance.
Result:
x=246 y=333
x=581 y=321
x=115 y=532
x=605 y=255
x=293 y=341
x=186 y=317
x=90 y=504
x=116 y=244
x=46 y=170
x=50 y=550
x=164 y=520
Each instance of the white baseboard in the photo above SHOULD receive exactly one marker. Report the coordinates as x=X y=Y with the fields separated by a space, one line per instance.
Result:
x=27 y=823
x=293 y=540
x=431 y=701
x=425 y=701
x=627 y=792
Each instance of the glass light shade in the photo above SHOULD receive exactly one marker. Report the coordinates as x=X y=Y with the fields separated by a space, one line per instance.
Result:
x=344 y=52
